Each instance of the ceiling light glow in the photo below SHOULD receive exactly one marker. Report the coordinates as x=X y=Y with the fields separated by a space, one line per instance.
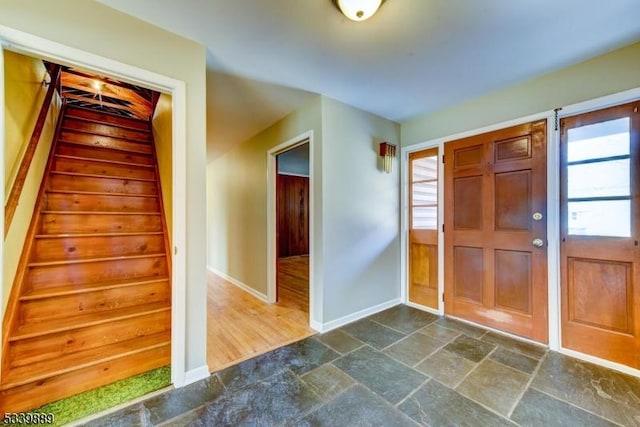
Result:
x=358 y=10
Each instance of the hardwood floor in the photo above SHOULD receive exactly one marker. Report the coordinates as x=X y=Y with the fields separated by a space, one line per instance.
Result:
x=240 y=326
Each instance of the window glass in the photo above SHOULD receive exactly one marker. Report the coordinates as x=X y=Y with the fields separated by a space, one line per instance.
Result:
x=599 y=140
x=600 y=179
x=425 y=193
x=600 y=218
x=425 y=218
x=425 y=168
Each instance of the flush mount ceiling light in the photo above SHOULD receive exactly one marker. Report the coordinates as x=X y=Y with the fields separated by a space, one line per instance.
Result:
x=358 y=10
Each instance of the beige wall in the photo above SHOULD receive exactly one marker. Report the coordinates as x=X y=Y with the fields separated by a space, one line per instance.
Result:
x=604 y=75
x=237 y=198
x=24 y=94
x=162 y=136
x=97 y=29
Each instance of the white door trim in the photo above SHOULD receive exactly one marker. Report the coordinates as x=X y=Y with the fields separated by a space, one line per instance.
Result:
x=32 y=45
x=272 y=256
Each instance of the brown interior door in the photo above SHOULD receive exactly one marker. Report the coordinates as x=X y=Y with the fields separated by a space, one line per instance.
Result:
x=496 y=228
x=423 y=228
x=292 y=205
x=599 y=251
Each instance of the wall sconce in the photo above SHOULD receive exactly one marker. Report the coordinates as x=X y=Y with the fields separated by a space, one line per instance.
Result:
x=387 y=152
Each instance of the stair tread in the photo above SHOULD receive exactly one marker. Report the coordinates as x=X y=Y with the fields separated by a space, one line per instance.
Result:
x=144 y=125
x=94 y=259
x=91 y=175
x=82 y=359
x=51 y=326
x=142 y=150
x=102 y=193
x=113 y=162
x=65 y=235
x=99 y=213
x=75 y=289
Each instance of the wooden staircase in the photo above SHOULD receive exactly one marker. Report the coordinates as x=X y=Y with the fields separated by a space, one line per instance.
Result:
x=91 y=303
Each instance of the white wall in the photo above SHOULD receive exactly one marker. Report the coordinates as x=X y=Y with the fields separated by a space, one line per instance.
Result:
x=97 y=29
x=361 y=212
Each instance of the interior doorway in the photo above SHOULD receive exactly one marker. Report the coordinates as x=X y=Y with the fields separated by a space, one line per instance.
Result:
x=292 y=227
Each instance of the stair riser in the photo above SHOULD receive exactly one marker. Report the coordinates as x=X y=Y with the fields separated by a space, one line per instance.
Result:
x=100 y=271
x=70 y=248
x=29 y=396
x=92 y=302
x=53 y=223
x=101 y=203
x=91 y=150
x=105 y=130
x=106 y=118
x=105 y=185
x=100 y=168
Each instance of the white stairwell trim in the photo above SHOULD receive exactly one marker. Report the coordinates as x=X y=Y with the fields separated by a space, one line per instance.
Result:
x=262 y=297
x=196 y=374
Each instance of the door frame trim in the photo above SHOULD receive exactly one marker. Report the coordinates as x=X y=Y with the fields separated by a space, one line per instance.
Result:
x=304 y=138
x=32 y=45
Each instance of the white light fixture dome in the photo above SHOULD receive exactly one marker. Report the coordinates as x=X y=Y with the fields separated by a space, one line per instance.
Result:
x=358 y=10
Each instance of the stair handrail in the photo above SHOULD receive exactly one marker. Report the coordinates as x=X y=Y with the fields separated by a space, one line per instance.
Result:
x=16 y=189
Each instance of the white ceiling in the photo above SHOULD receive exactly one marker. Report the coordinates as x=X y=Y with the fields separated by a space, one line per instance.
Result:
x=267 y=57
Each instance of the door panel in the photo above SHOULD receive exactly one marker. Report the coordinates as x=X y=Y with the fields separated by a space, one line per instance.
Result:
x=423 y=228
x=292 y=193
x=494 y=183
x=599 y=233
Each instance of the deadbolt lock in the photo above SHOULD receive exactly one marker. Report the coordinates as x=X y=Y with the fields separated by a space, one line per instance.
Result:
x=537 y=216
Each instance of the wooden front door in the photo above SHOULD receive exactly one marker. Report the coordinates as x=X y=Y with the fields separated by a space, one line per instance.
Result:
x=423 y=228
x=600 y=216
x=495 y=230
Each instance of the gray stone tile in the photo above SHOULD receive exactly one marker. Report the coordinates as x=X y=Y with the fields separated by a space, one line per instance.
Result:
x=472 y=331
x=440 y=332
x=528 y=349
x=541 y=410
x=251 y=371
x=515 y=360
x=604 y=392
x=357 y=407
x=186 y=419
x=373 y=333
x=305 y=355
x=385 y=376
x=327 y=381
x=175 y=402
x=414 y=348
x=446 y=367
x=437 y=405
x=494 y=385
x=404 y=318
x=340 y=341
x=470 y=348
x=274 y=401
x=133 y=416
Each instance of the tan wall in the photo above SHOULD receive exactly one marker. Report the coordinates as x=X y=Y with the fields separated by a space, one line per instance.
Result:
x=163 y=137
x=100 y=30
x=604 y=75
x=24 y=95
x=237 y=198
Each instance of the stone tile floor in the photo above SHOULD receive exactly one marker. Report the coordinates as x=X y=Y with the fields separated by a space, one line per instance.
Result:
x=396 y=368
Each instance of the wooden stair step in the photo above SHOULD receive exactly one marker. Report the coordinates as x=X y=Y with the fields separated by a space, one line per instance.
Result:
x=50 y=346
x=109 y=168
x=106 y=118
x=74 y=290
x=56 y=222
x=37 y=329
x=60 y=200
x=55 y=247
x=49 y=275
x=91 y=259
x=96 y=149
x=72 y=181
x=94 y=301
x=68 y=363
x=112 y=131
x=88 y=140
x=35 y=394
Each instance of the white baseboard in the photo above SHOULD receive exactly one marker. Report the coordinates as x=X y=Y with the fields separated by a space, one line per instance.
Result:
x=196 y=375
x=326 y=327
x=262 y=297
x=315 y=325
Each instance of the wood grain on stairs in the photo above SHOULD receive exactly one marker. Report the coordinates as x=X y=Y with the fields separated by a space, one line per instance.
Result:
x=92 y=299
